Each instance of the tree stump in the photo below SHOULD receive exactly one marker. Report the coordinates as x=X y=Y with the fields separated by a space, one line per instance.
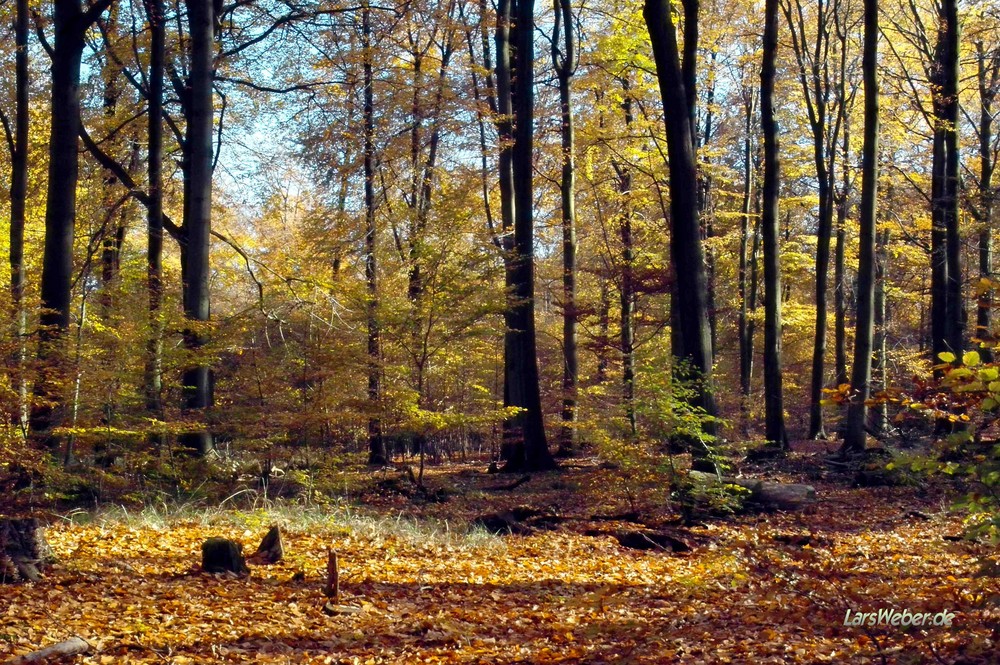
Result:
x=270 y=549
x=24 y=554
x=220 y=555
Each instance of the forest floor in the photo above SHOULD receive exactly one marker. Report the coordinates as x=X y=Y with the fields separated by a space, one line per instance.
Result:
x=762 y=588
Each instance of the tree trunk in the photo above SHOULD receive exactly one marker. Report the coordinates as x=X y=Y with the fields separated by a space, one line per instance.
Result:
x=154 y=213
x=774 y=413
x=854 y=432
x=880 y=413
x=693 y=352
x=70 y=23
x=18 y=200
x=530 y=451
x=627 y=309
x=988 y=76
x=840 y=272
x=817 y=90
x=949 y=65
x=745 y=329
x=197 y=226
x=376 y=446
x=564 y=61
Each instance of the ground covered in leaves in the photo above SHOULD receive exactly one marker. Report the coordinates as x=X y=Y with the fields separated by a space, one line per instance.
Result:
x=764 y=588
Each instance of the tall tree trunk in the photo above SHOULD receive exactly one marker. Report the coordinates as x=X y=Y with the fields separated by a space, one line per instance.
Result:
x=110 y=76
x=774 y=415
x=376 y=446
x=817 y=90
x=839 y=269
x=530 y=452
x=947 y=308
x=154 y=215
x=987 y=77
x=70 y=23
x=676 y=82
x=949 y=67
x=746 y=209
x=505 y=136
x=704 y=201
x=880 y=413
x=854 y=431
x=18 y=200
x=564 y=61
x=627 y=309
x=198 y=217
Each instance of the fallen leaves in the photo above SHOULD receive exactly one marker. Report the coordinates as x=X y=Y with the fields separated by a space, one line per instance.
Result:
x=772 y=588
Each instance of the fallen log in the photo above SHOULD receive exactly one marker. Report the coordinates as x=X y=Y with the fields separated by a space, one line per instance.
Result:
x=74 y=646
x=646 y=539
x=24 y=554
x=781 y=496
x=509 y=486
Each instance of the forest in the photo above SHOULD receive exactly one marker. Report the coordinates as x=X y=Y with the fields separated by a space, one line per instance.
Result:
x=582 y=331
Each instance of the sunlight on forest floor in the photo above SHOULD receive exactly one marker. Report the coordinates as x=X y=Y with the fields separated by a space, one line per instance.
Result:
x=435 y=594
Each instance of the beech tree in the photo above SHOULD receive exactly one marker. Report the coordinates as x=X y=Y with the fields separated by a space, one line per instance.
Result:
x=676 y=80
x=530 y=450
x=774 y=406
x=854 y=431
x=70 y=23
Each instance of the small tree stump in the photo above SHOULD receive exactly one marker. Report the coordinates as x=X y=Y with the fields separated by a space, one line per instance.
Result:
x=24 y=554
x=270 y=549
x=221 y=555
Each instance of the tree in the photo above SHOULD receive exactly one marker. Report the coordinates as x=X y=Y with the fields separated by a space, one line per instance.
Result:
x=774 y=409
x=376 y=446
x=197 y=227
x=854 y=431
x=748 y=254
x=676 y=80
x=70 y=24
x=628 y=295
x=988 y=84
x=814 y=55
x=564 y=60
x=154 y=233
x=530 y=451
x=17 y=142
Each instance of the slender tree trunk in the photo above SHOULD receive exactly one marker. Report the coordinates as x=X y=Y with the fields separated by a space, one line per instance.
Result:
x=676 y=82
x=746 y=209
x=880 y=413
x=564 y=61
x=839 y=270
x=18 y=200
x=530 y=452
x=940 y=333
x=627 y=309
x=154 y=212
x=988 y=77
x=110 y=75
x=774 y=416
x=376 y=446
x=704 y=202
x=604 y=331
x=854 y=432
x=198 y=217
